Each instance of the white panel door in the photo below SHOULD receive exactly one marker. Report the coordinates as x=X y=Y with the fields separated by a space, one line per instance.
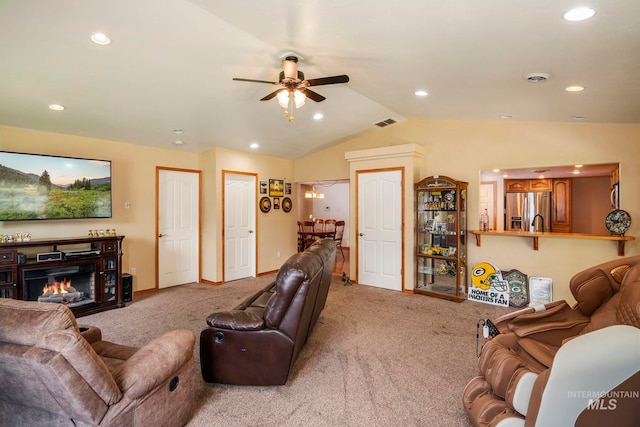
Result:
x=178 y=225
x=380 y=229
x=239 y=226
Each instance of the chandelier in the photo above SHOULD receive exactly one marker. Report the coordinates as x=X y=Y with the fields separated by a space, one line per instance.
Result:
x=313 y=194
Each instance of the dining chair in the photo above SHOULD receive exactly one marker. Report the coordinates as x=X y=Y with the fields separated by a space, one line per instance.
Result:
x=300 y=237
x=330 y=225
x=318 y=224
x=307 y=233
x=338 y=236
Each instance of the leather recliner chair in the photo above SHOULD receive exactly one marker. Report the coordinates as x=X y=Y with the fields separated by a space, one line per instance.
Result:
x=550 y=364
x=258 y=341
x=56 y=374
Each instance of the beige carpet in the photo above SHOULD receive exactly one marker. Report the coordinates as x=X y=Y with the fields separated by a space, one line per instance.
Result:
x=376 y=357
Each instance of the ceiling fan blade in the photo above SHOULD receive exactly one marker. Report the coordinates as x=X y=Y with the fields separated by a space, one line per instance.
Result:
x=312 y=95
x=328 y=80
x=255 y=81
x=271 y=95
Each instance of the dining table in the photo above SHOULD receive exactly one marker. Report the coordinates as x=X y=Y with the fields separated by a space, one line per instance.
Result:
x=309 y=237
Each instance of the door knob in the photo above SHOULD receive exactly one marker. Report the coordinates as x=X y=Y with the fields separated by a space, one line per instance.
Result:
x=160 y=235
x=361 y=234
x=250 y=231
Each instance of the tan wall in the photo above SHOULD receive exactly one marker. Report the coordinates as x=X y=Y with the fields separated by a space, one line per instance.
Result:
x=462 y=149
x=134 y=180
x=277 y=229
x=453 y=148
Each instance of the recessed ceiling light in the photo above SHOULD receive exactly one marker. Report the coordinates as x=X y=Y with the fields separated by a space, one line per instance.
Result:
x=579 y=14
x=496 y=170
x=318 y=116
x=505 y=116
x=576 y=172
x=577 y=166
x=254 y=145
x=57 y=107
x=421 y=93
x=577 y=117
x=179 y=142
x=101 y=39
x=574 y=88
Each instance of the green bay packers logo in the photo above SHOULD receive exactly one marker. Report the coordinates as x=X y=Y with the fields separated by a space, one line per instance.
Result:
x=486 y=275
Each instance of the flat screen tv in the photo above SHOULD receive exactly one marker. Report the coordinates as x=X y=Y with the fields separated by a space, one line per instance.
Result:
x=37 y=187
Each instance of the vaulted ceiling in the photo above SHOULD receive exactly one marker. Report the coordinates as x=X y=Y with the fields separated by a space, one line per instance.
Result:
x=170 y=66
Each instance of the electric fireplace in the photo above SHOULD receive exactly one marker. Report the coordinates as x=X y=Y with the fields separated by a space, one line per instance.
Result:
x=73 y=284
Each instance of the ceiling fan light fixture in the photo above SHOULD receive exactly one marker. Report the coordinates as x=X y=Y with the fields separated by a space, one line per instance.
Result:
x=283 y=98
x=299 y=98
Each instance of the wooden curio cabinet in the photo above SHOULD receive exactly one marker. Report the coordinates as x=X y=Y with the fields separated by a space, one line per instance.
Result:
x=441 y=238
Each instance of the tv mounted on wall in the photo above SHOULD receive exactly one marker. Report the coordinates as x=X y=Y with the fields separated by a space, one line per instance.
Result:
x=36 y=186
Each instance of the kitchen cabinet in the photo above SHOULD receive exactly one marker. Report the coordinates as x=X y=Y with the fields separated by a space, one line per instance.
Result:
x=561 y=206
x=522 y=185
x=441 y=247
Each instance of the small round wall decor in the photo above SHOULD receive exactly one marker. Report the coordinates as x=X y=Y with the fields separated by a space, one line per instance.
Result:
x=287 y=204
x=618 y=221
x=265 y=204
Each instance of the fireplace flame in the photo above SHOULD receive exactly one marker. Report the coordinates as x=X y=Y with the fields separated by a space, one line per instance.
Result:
x=57 y=288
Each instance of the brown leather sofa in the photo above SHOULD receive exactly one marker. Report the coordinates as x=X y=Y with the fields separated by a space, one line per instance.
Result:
x=257 y=342
x=54 y=373
x=564 y=365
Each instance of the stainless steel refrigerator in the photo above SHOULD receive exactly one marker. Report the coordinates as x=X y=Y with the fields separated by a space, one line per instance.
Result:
x=522 y=208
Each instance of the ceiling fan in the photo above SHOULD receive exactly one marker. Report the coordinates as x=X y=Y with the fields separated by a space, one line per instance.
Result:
x=293 y=88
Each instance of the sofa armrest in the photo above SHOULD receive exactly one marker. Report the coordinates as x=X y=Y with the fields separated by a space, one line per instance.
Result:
x=236 y=320
x=154 y=363
x=529 y=313
x=90 y=333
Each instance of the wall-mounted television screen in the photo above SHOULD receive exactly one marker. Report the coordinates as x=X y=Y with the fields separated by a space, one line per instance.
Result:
x=35 y=186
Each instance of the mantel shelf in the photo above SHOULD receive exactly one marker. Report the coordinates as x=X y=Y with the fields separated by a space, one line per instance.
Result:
x=535 y=236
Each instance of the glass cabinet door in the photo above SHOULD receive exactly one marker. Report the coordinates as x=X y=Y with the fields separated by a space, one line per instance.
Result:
x=7 y=285
x=110 y=279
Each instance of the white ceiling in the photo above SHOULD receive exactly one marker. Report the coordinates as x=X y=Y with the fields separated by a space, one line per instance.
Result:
x=171 y=63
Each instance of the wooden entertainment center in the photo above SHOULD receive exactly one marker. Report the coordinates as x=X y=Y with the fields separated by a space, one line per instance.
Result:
x=85 y=273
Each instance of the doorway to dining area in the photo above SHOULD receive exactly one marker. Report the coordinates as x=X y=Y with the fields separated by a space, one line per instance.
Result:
x=331 y=203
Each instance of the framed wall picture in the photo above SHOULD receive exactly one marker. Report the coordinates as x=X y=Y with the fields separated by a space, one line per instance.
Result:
x=287 y=188
x=276 y=187
x=263 y=187
x=276 y=203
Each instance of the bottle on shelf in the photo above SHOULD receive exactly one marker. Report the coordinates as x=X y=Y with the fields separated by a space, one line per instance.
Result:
x=484 y=221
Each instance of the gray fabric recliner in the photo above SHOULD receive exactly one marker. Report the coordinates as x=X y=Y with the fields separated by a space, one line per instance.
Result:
x=55 y=375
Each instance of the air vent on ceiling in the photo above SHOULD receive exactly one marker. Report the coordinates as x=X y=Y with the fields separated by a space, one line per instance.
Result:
x=386 y=122
x=537 y=77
